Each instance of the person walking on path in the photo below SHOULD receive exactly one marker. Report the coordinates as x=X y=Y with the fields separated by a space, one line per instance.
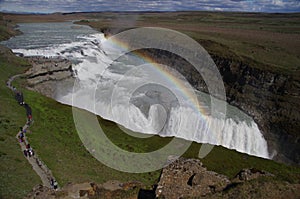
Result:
x=21 y=137
x=23 y=130
x=53 y=184
x=19 y=97
x=28 y=113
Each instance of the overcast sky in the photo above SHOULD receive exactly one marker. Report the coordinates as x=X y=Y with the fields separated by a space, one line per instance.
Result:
x=49 y=6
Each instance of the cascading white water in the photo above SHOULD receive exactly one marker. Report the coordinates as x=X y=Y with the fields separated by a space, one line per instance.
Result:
x=98 y=83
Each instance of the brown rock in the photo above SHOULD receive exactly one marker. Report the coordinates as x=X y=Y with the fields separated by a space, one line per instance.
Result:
x=250 y=174
x=188 y=178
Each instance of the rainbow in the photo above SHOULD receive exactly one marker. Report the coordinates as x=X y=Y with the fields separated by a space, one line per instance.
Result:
x=189 y=95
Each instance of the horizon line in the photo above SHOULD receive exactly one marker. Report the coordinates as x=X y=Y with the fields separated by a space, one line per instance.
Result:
x=146 y=11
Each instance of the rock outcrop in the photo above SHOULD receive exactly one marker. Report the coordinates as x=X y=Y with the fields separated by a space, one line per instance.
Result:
x=187 y=178
x=46 y=74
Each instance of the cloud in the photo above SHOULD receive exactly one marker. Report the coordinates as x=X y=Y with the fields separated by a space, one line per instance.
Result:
x=46 y=6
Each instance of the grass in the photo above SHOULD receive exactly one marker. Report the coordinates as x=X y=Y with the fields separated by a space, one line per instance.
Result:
x=230 y=162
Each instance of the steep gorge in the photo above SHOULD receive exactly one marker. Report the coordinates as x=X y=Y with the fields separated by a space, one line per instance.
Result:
x=272 y=99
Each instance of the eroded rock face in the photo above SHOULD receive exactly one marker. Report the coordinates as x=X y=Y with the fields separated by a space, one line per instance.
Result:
x=46 y=74
x=188 y=178
x=271 y=99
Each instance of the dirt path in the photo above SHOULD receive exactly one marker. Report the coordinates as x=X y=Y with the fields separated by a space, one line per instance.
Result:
x=37 y=164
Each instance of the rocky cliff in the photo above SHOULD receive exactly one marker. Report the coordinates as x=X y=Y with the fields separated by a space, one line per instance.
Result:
x=47 y=74
x=272 y=99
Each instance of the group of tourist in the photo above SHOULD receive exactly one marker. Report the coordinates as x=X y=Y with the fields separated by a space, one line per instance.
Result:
x=53 y=183
x=28 y=151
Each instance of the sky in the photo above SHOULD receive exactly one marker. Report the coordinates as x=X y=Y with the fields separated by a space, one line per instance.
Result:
x=50 y=6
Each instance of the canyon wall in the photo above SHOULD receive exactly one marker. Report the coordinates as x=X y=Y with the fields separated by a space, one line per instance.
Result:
x=272 y=99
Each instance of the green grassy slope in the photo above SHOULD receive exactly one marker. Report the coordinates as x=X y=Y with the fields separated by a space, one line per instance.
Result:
x=16 y=175
x=56 y=141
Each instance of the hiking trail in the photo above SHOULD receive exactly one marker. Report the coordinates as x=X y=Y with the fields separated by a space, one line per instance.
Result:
x=37 y=164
